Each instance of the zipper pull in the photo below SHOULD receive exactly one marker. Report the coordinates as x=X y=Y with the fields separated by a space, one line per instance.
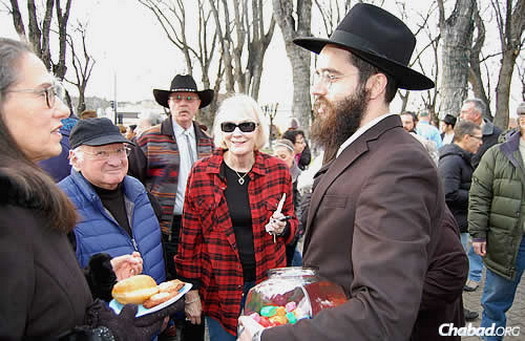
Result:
x=135 y=245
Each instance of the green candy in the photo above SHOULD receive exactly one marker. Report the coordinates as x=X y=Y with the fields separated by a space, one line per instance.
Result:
x=291 y=318
x=268 y=311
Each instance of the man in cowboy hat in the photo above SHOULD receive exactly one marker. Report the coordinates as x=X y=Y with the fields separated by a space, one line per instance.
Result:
x=375 y=216
x=165 y=154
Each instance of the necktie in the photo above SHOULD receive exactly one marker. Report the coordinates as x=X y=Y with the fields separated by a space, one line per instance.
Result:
x=188 y=144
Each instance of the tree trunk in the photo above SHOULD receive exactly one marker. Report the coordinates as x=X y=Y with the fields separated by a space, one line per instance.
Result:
x=34 y=30
x=456 y=33
x=299 y=57
x=503 y=88
x=511 y=31
x=18 y=22
x=475 y=78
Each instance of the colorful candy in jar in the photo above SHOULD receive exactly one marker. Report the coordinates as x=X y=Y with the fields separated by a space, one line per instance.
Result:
x=272 y=315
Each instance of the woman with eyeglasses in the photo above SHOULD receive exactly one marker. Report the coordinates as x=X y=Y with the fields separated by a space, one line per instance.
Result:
x=238 y=216
x=44 y=293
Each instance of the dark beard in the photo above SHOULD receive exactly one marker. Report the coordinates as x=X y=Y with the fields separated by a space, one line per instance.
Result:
x=341 y=122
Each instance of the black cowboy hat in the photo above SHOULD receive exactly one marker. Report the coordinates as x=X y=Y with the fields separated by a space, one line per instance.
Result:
x=379 y=38
x=183 y=83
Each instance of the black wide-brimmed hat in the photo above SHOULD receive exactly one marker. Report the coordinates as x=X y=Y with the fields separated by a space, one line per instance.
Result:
x=183 y=83
x=379 y=38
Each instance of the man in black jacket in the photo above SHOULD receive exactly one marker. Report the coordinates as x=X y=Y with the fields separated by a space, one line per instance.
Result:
x=455 y=169
x=474 y=110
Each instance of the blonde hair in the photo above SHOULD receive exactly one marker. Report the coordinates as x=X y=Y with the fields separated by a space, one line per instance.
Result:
x=234 y=108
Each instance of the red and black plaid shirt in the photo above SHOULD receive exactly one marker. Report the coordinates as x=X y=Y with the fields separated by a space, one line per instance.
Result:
x=208 y=255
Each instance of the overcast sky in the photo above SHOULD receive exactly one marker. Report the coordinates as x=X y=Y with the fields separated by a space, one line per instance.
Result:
x=130 y=47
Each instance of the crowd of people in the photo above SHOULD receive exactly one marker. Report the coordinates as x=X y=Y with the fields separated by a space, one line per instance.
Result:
x=403 y=222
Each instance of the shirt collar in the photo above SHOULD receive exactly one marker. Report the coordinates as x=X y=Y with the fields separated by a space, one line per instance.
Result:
x=361 y=131
x=178 y=130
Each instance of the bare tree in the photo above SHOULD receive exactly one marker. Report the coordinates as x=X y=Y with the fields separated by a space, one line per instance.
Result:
x=332 y=12
x=456 y=35
x=294 y=19
x=426 y=50
x=237 y=27
x=476 y=62
x=197 y=48
x=37 y=31
x=521 y=76
x=270 y=111
x=83 y=64
x=245 y=32
x=511 y=24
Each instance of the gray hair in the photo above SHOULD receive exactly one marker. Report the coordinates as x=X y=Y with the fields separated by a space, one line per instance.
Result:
x=463 y=128
x=235 y=107
x=79 y=154
x=479 y=105
x=151 y=118
x=11 y=52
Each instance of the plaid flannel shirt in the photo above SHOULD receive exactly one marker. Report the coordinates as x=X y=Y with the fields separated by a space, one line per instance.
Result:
x=208 y=256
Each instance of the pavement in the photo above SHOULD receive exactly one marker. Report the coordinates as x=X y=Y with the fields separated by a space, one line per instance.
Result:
x=515 y=316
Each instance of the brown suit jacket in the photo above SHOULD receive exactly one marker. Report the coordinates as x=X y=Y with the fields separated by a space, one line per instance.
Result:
x=373 y=226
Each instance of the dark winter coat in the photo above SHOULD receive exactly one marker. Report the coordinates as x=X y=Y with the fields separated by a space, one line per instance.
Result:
x=44 y=292
x=491 y=134
x=497 y=206
x=455 y=169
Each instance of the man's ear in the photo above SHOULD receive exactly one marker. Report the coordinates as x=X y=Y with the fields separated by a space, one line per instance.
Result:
x=73 y=159
x=376 y=84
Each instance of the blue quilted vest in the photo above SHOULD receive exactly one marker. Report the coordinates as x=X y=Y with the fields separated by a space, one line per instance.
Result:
x=99 y=232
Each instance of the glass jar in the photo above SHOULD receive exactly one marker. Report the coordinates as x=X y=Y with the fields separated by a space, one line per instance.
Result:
x=289 y=295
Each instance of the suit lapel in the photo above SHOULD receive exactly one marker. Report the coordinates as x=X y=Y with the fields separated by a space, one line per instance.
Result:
x=331 y=171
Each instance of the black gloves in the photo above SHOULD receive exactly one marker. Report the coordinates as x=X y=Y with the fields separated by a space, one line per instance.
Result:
x=100 y=276
x=126 y=326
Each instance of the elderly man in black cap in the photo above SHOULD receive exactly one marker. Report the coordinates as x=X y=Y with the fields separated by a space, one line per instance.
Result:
x=116 y=216
x=165 y=153
x=377 y=208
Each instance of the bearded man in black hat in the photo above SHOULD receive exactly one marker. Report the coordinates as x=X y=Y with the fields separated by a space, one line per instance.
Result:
x=165 y=154
x=377 y=207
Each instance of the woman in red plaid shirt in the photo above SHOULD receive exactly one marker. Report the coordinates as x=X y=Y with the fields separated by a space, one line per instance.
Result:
x=232 y=199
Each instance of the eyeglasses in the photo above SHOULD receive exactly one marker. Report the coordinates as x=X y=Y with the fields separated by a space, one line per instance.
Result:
x=325 y=78
x=103 y=155
x=245 y=127
x=50 y=93
x=480 y=138
x=189 y=98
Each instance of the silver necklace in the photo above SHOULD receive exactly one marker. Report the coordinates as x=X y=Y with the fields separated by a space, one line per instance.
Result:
x=241 y=178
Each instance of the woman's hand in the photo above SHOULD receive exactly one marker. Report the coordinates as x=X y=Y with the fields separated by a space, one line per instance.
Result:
x=193 y=307
x=127 y=265
x=277 y=223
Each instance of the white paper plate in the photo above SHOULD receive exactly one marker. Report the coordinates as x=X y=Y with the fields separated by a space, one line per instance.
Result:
x=117 y=307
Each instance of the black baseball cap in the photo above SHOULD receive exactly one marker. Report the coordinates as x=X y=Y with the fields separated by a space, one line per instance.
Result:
x=95 y=132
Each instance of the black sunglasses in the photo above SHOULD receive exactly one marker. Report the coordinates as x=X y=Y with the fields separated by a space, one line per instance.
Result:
x=245 y=127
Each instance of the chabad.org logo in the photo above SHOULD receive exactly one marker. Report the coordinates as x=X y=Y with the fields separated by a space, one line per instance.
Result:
x=448 y=329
